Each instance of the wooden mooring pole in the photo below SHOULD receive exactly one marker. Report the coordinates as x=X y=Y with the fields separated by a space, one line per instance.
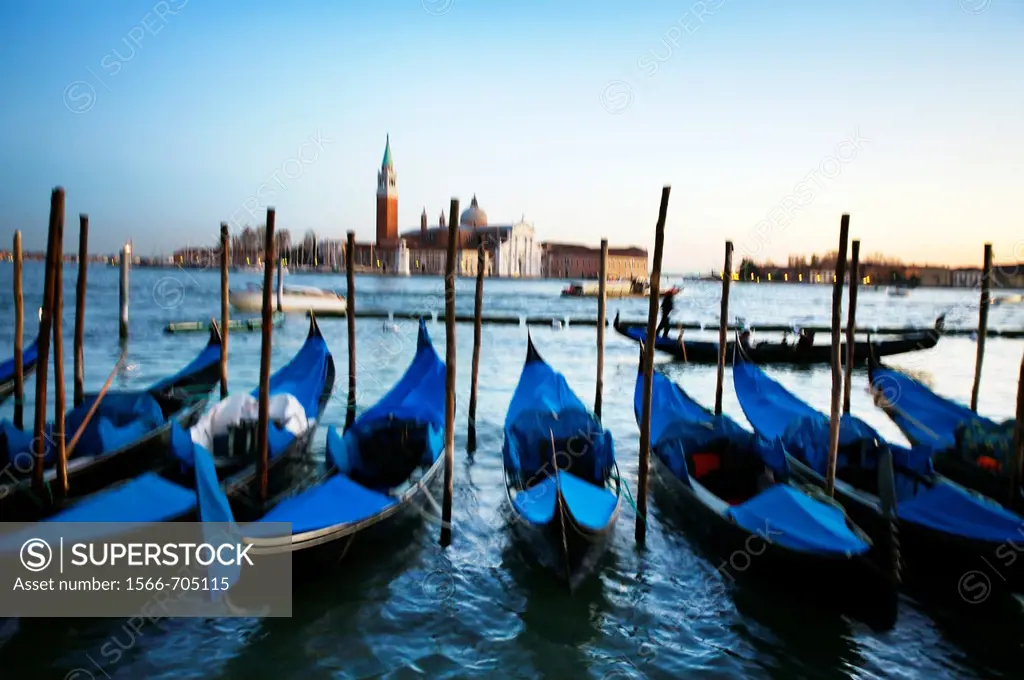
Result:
x=350 y=318
x=43 y=352
x=225 y=319
x=478 y=312
x=449 y=411
x=19 y=332
x=126 y=256
x=280 y=284
x=80 y=287
x=723 y=327
x=602 y=313
x=1017 y=469
x=262 y=461
x=648 y=359
x=59 y=397
x=986 y=287
x=851 y=325
x=837 y=374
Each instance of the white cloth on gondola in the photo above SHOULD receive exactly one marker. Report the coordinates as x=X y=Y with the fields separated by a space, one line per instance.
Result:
x=285 y=412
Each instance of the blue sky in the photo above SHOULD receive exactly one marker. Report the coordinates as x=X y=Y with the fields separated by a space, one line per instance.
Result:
x=162 y=119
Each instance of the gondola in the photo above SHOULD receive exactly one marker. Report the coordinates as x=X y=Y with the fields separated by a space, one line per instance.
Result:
x=125 y=436
x=706 y=351
x=200 y=483
x=945 y=530
x=736 y=491
x=28 y=362
x=970 y=449
x=564 y=518
x=378 y=472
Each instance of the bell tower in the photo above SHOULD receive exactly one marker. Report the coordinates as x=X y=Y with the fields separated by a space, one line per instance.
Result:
x=387 y=200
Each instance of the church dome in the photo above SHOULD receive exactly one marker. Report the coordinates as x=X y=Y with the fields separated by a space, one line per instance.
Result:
x=473 y=216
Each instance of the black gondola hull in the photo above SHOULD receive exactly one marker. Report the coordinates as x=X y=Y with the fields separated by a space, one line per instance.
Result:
x=313 y=551
x=7 y=388
x=948 y=463
x=993 y=485
x=20 y=503
x=706 y=352
x=563 y=546
x=747 y=556
x=929 y=558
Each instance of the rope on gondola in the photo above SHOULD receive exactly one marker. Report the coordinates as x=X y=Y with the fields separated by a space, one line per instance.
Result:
x=96 y=403
x=629 y=494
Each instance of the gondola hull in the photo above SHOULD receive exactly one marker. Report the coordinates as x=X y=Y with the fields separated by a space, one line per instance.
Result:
x=20 y=503
x=945 y=532
x=563 y=546
x=167 y=491
x=745 y=555
x=928 y=558
x=181 y=398
x=563 y=510
x=382 y=471
x=993 y=485
x=929 y=420
x=313 y=551
x=706 y=352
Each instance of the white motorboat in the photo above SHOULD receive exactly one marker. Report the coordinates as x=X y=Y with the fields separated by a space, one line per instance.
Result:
x=1014 y=299
x=294 y=299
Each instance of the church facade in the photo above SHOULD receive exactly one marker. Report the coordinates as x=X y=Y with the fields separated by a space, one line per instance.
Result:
x=510 y=250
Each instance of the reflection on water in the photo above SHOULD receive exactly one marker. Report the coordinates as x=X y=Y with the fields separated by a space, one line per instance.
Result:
x=406 y=607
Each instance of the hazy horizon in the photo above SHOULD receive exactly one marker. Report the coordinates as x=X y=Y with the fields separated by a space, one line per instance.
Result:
x=163 y=119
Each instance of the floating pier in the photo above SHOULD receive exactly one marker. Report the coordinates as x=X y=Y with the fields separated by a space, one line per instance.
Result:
x=549 y=320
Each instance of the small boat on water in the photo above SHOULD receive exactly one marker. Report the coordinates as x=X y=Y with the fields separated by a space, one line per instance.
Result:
x=944 y=529
x=736 y=491
x=897 y=291
x=379 y=471
x=970 y=449
x=294 y=299
x=28 y=362
x=706 y=351
x=632 y=288
x=249 y=269
x=561 y=478
x=125 y=436
x=1013 y=299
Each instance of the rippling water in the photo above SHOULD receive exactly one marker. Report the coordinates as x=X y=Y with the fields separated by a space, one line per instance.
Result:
x=411 y=609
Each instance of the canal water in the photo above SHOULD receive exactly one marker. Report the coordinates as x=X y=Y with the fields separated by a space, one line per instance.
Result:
x=478 y=608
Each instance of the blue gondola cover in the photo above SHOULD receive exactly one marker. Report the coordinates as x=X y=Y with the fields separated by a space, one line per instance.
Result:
x=922 y=497
x=417 y=401
x=781 y=514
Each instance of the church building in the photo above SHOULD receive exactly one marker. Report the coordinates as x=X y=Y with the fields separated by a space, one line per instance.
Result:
x=510 y=249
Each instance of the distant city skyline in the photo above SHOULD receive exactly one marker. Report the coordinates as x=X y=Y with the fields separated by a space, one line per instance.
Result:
x=163 y=119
